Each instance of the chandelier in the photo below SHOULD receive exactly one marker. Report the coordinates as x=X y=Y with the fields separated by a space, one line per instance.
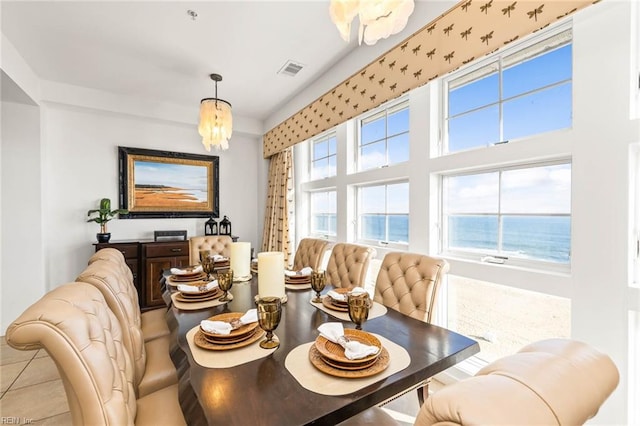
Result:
x=215 y=120
x=378 y=18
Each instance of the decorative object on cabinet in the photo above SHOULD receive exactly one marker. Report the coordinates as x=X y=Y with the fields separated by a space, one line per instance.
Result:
x=163 y=184
x=216 y=122
x=211 y=227
x=225 y=226
x=105 y=214
x=169 y=235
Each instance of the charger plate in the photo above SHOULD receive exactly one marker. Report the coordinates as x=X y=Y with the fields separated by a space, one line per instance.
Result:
x=238 y=332
x=188 y=278
x=200 y=341
x=335 y=352
x=180 y=297
x=328 y=302
x=200 y=295
x=343 y=366
x=377 y=367
x=228 y=341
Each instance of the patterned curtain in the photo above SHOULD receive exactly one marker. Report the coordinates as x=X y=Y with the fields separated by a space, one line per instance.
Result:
x=276 y=236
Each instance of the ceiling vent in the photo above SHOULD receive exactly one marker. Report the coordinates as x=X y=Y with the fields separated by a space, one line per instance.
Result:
x=291 y=68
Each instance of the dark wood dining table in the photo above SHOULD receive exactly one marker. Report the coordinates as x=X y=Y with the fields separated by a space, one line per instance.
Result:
x=263 y=392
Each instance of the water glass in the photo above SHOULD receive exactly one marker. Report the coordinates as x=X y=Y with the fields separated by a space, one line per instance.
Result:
x=269 y=314
x=318 y=281
x=359 y=305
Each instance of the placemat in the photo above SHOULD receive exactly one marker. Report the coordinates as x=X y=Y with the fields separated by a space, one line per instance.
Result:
x=310 y=378
x=194 y=306
x=377 y=310
x=226 y=359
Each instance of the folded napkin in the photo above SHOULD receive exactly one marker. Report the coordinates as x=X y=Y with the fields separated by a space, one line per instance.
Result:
x=218 y=257
x=178 y=271
x=223 y=327
x=334 y=331
x=307 y=270
x=342 y=297
x=185 y=288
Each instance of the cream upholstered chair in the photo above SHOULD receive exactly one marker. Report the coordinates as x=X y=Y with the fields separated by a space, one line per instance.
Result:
x=152 y=322
x=348 y=265
x=310 y=253
x=83 y=337
x=152 y=365
x=555 y=381
x=218 y=244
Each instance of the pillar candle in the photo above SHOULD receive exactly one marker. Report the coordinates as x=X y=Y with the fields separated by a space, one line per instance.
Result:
x=271 y=274
x=240 y=259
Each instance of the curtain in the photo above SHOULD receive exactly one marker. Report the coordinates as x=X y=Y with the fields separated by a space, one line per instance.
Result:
x=276 y=236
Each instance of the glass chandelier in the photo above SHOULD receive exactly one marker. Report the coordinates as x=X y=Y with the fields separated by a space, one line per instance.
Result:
x=378 y=18
x=216 y=123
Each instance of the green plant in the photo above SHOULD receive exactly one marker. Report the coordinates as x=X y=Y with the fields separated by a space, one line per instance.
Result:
x=105 y=214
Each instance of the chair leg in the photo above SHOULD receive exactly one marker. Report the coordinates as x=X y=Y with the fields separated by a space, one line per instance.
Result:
x=423 y=392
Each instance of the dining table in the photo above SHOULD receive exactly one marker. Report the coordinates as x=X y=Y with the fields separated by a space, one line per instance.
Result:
x=265 y=392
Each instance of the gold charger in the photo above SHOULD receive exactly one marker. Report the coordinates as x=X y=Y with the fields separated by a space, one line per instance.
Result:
x=188 y=278
x=377 y=367
x=345 y=366
x=328 y=302
x=215 y=290
x=335 y=352
x=217 y=341
x=200 y=341
x=228 y=317
x=180 y=298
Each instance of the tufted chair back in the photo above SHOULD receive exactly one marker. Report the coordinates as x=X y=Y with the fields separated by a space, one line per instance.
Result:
x=551 y=382
x=218 y=244
x=118 y=294
x=310 y=252
x=409 y=282
x=348 y=265
x=83 y=337
x=115 y=256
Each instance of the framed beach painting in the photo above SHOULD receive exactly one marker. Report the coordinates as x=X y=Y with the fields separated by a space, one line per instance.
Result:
x=164 y=184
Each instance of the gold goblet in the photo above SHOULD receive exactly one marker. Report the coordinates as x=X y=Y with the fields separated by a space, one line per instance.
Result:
x=204 y=254
x=269 y=314
x=359 y=305
x=225 y=282
x=318 y=281
x=208 y=266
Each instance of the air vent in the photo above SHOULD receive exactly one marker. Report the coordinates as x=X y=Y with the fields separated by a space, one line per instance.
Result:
x=291 y=68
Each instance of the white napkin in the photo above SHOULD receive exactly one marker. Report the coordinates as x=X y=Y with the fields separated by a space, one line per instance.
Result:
x=218 y=257
x=223 y=327
x=194 y=289
x=354 y=350
x=337 y=296
x=307 y=270
x=178 y=271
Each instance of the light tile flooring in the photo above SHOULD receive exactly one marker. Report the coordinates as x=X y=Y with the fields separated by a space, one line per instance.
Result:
x=32 y=392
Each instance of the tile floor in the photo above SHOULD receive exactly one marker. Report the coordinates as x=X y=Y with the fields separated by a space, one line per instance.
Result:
x=28 y=376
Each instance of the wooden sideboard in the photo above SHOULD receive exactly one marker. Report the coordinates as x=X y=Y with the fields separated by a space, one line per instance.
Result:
x=147 y=259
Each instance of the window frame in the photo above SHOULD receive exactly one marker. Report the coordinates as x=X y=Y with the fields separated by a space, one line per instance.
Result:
x=358 y=211
x=310 y=232
x=323 y=137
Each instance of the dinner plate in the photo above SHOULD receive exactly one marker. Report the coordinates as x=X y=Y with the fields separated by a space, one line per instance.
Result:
x=227 y=317
x=297 y=281
x=217 y=341
x=328 y=302
x=180 y=298
x=347 y=366
x=341 y=291
x=378 y=366
x=200 y=341
x=188 y=278
x=335 y=352
x=201 y=295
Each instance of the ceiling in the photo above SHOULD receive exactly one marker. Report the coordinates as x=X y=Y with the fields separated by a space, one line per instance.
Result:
x=155 y=51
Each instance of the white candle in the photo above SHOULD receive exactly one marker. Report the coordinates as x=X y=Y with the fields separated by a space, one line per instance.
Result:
x=271 y=274
x=240 y=260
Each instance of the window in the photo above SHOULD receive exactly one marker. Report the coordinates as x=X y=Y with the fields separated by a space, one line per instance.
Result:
x=384 y=138
x=323 y=214
x=323 y=157
x=516 y=95
x=511 y=213
x=383 y=213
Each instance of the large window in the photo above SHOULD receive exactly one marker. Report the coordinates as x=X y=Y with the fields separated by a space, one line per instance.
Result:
x=323 y=157
x=383 y=213
x=323 y=214
x=510 y=213
x=516 y=95
x=384 y=138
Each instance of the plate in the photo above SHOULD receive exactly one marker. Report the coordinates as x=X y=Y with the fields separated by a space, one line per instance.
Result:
x=378 y=366
x=346 y=366
x=328 y=302
x=242 y=331
x=196 y=283
x=228 y=341
x=188 y=278
x=340 y=290
x=335 y=352
x=181 y=298
x=200 y=295
x=297 y=281
x=203 y=343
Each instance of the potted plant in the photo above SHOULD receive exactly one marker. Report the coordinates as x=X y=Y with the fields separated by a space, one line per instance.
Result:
x=104 y=215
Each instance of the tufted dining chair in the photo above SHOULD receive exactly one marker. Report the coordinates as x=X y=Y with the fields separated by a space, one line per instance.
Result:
x=310 y=253
x=218 y=244
x=348 y=265
x=83 y=337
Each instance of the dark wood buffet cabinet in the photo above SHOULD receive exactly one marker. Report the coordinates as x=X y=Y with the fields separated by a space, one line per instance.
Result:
x=147 y=259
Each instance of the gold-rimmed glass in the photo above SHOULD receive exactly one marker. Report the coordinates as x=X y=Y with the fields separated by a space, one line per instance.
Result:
x=359 y=305
x=225 y=282
x=204 y=254
x=318 y=281
x=208 y=266
x=269 y=314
